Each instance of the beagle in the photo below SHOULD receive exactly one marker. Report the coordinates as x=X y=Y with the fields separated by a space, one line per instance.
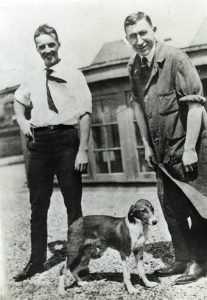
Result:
x=90 y=236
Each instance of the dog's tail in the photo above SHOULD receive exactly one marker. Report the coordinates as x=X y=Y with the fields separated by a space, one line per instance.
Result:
x=75 y=251
x=73 y=262
x=78 y=255
x=63 y=268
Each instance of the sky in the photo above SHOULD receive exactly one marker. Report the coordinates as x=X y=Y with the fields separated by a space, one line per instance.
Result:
x=83 y=27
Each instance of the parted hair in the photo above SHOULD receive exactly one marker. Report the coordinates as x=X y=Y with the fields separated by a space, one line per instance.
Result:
x=135 y=17
x=46 y=29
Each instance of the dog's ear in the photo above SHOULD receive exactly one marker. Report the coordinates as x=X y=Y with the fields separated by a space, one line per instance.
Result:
x=131 y=214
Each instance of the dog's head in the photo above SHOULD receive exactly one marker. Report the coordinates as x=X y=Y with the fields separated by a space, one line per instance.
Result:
x=142 y=210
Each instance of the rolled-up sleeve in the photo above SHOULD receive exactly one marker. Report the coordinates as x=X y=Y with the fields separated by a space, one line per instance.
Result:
x=82 y=95
x=22 y=95
x=188 y=84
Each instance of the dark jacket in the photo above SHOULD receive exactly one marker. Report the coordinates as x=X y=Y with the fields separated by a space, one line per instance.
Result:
x=173 y=83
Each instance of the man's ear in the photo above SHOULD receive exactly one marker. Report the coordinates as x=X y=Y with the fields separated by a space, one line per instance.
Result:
x=131 y=214
x=126 y=40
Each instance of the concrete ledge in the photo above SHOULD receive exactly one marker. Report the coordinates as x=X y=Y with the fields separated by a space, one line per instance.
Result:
x=11 y=160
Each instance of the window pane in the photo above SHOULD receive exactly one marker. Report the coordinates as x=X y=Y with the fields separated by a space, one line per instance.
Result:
x=112 y=136
x=98 y=137
x=97 y=113
x=143 y=164
x=128 y=95
x=101 y=162
x=115 y=161
x=114 y=158
x=110 y=107
x=138 y=136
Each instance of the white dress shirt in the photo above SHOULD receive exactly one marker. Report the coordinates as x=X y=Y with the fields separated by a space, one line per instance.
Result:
x=72 y=99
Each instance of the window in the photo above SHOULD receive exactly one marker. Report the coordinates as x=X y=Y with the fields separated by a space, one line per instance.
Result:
x=140 y=148
x=107 y=149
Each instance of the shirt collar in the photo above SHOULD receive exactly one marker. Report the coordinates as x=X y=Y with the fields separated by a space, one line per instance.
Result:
x=58 y=70
x=151 y=55
x=55 y=68
x=160 y=52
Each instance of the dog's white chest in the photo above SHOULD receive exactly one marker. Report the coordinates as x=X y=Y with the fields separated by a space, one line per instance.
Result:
x=137 y=235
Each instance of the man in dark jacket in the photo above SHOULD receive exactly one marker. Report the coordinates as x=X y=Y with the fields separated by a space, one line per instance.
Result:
x=168 y=102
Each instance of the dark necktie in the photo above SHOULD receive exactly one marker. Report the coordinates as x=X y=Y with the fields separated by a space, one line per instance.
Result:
x=145 y=70
x=50 y=101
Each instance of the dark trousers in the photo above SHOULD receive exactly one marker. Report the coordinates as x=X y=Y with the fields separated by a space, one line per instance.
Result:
x=189 y=240
x=52 y=152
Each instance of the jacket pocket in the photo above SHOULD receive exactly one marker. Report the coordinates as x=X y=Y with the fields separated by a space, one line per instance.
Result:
x=172 y=126
x=168 y=103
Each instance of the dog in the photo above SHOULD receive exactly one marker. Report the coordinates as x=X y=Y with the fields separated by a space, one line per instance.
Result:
x=90 y=236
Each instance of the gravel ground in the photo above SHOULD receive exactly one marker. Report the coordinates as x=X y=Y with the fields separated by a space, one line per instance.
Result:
x=105 y=279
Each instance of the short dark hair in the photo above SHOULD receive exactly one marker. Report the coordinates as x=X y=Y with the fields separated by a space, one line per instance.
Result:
x=135 y=17
x=46 y=29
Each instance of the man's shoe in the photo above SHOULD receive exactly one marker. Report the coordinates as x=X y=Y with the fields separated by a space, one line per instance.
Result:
x=178 y=267
x=193 y=272
x=30 y=270
x=84 y=272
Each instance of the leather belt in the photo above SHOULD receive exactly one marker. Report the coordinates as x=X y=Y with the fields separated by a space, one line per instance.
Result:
x=52 y=128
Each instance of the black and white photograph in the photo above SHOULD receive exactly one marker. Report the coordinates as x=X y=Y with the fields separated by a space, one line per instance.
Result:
x=103 y=150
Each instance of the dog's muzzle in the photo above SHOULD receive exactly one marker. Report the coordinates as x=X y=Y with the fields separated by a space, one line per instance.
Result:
x=152 y=222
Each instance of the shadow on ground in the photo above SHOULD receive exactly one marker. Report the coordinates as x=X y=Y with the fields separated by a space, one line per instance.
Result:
x=162 y=250
x=58 y=250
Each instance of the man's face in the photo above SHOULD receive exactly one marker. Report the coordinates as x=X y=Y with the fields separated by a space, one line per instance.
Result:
x=47 y=46
x=141 y=37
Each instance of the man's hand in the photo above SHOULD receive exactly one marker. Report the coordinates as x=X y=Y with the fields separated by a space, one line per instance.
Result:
x=194 y=120
x=189 y=160
x=148 y=155
x=25 y=127
x=81 y=161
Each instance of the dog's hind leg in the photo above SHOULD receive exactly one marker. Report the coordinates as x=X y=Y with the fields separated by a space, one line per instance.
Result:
x=78 y=258
x=126 y=276
x=81 y=266
x=139 y=261
x=61 y=286
x=79 y=281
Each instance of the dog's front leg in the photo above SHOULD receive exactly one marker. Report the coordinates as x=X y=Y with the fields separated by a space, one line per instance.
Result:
x=126 y=276
x=139 y=262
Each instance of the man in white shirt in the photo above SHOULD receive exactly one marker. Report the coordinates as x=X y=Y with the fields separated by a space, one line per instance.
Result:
x=59 y=98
